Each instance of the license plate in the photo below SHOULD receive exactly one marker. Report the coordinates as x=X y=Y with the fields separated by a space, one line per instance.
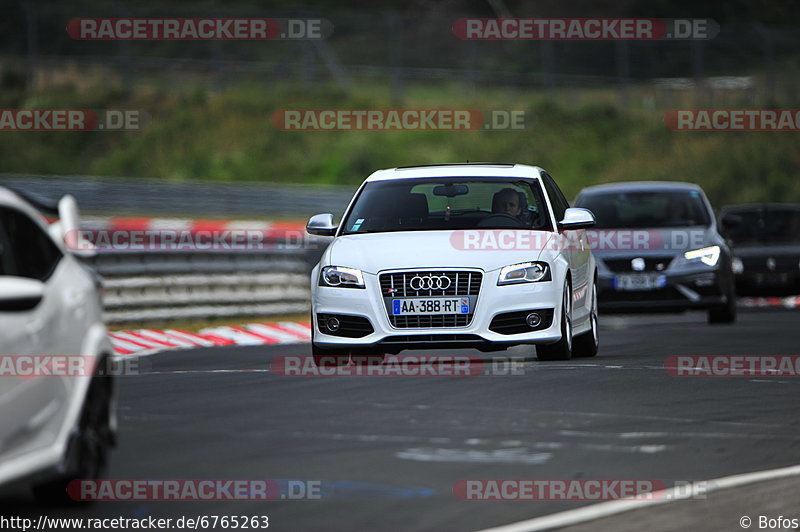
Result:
x=772 y=279
x=641 y=281
x=430 y=305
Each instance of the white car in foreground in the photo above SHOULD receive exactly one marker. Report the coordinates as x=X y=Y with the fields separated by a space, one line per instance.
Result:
x=479 y=256
x=57 y=418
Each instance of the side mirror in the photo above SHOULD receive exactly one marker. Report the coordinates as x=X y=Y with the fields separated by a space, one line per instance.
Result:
x=19 y=293
x=576 y=218
x=321 y=225
x=70 y=220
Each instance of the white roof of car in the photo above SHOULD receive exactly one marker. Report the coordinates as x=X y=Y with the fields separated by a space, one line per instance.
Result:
x=9 y=198
x=458 y=170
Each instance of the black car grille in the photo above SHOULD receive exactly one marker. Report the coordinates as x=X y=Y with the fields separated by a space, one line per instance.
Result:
x=668 y=293
x=461 y=284
x=432 y=339
x=651 y=264
x=780 y=264
x=349 y=326
x=431 y=321
x=514 y=322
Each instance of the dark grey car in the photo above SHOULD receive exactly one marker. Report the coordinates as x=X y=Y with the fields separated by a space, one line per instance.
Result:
x=658 y=249
x=766 y=247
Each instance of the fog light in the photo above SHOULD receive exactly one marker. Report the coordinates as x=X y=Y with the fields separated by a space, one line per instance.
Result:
x=533 y=320
x=738 y=266
x=332 y=324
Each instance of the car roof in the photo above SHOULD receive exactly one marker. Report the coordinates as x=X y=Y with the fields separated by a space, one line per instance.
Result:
x=458 y=170
x=648 y=186
x=11 y=198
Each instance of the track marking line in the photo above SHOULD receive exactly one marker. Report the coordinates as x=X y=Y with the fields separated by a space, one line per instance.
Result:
x=496 y=456
x=609 y=508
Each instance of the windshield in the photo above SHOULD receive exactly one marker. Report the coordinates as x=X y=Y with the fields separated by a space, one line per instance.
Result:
x=447 y=203
x=637 y=209
x=762 y=225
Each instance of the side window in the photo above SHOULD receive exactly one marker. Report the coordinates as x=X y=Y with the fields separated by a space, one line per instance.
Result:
x=8 y=263
x=32 y=253
x=560 y=203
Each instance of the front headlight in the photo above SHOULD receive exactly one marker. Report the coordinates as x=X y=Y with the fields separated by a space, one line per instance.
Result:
x=708 y=256
x=341 y=277
x=525 y=272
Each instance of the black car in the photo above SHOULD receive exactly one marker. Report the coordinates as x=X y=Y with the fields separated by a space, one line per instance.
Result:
x=658 y=249
x=766 y=247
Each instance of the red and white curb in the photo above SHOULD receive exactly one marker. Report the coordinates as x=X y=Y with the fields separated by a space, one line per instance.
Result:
x=148 y=341
x=770 y=302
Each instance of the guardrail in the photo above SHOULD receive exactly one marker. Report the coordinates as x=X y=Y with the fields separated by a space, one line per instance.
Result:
x=135 y=196
x=144 y=286
x=185 y=284
x=156 y=285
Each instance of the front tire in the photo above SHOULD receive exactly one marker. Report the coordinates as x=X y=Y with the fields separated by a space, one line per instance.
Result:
x=561 y=350
x=587 y=344
x=90 y=450
x=725 y=313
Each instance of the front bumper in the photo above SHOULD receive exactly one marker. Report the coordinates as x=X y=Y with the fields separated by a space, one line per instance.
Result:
x=768 y=283
x=492 y=301
x=699 y=289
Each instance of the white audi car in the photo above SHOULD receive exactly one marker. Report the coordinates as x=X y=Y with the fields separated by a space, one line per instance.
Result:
x=479 y=256
x=57 y=418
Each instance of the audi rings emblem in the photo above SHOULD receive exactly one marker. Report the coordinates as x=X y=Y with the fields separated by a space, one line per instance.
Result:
x=429 y=282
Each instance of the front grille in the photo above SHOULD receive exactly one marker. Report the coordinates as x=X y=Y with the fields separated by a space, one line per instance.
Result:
x=349 y=326
x=461 y=284
x=651 y=264
x=668 y=293
x=432 y=339
x=514 y=322
x=759 y=264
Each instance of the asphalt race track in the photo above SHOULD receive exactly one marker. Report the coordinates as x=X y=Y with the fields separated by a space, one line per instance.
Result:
x=388 y=450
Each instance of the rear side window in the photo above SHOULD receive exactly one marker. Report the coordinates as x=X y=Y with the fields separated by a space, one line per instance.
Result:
x=25 y=250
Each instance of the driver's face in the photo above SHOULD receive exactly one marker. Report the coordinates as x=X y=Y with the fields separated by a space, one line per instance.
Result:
x=509 y=204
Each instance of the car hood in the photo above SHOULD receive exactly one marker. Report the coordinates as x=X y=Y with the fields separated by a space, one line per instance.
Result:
x=759 y=250
x=375 y=252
